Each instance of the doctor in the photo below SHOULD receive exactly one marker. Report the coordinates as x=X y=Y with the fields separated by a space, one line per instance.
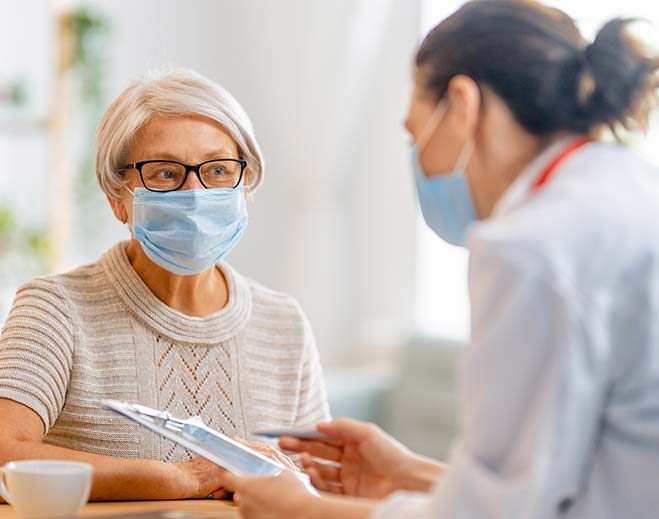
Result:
x=559 y=409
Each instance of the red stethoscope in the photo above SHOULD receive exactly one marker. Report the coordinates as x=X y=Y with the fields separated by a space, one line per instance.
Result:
x=551 y=168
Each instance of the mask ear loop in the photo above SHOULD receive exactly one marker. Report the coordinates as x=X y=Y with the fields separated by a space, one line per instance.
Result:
x=430 y=127
x=247 y=188
x=131 y=191
x=126 y=223
x=460 y=167
x=464 y=157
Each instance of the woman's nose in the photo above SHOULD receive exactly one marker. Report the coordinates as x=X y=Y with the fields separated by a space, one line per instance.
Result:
x=192 y=182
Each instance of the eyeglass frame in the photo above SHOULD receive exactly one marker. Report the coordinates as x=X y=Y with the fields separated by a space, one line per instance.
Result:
x=138 y=166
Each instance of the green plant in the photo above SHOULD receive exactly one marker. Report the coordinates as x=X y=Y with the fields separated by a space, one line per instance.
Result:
x=89 y=30
x=18 y=94
x=14 y=93
x=6 y=222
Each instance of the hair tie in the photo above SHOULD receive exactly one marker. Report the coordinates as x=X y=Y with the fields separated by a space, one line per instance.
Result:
x=586 y=84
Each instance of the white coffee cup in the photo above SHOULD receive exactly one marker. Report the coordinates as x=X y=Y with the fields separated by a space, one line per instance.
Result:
x=53 y=489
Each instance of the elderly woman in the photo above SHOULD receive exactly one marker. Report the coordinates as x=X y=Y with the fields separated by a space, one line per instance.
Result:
x=161 y=319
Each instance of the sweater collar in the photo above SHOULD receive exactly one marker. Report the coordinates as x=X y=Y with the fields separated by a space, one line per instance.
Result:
x=172 y=324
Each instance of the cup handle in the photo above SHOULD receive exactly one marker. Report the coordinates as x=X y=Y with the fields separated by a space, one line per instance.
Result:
x=3 y=489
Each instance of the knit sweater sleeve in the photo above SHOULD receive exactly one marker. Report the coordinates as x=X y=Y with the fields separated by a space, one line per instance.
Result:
x=313 y=406
x=36 y=350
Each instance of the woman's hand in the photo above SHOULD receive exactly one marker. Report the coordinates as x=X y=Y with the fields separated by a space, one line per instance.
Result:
x=200 y=478
x=197 y=479
x=366 y=461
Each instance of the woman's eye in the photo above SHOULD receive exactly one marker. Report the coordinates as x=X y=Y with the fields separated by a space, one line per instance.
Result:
x=167 y=174
x=217 y=171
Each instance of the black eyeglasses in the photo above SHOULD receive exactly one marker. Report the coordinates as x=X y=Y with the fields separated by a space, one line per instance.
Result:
x=168 y=175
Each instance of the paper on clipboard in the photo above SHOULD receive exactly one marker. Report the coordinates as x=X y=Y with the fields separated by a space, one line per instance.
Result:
x=197 y=437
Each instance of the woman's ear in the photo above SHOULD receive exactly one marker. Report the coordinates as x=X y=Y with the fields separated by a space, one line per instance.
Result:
x=118 y=208
x=247 y=182
x=465 y=104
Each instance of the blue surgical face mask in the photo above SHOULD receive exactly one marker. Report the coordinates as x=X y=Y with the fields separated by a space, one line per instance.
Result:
x=185 y=232
x=445 y=200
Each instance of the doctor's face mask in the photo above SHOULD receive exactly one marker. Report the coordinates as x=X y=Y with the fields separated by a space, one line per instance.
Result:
x=445 y=199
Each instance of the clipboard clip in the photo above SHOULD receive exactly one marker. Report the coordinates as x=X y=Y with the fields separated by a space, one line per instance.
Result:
x=158 y=418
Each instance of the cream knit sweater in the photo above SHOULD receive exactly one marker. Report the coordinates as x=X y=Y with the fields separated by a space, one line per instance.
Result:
x=99 y=332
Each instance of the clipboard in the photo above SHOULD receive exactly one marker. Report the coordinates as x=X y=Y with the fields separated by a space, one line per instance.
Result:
x=194 y=435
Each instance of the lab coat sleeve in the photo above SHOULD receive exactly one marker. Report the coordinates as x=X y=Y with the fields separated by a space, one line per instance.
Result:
x=530 y=396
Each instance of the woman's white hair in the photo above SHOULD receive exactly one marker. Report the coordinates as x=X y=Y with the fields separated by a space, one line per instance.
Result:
x=170 y=93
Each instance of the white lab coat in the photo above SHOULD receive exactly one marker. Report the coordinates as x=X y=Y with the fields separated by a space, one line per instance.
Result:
x=559 y=386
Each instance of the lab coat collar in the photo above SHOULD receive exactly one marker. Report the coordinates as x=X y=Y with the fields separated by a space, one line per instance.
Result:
x=520 y=189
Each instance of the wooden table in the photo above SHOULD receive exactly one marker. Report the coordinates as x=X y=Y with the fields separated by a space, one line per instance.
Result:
x=205 y=508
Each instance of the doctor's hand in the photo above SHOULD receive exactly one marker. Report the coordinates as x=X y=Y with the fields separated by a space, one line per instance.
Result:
x=365 y=461
x=285 y=497
x=280 y=497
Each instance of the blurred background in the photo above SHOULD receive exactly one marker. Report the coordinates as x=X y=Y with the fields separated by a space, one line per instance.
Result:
x=326 y=84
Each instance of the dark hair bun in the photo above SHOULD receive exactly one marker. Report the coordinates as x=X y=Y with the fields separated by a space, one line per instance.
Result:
x=537 y=61
x=624 y=77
